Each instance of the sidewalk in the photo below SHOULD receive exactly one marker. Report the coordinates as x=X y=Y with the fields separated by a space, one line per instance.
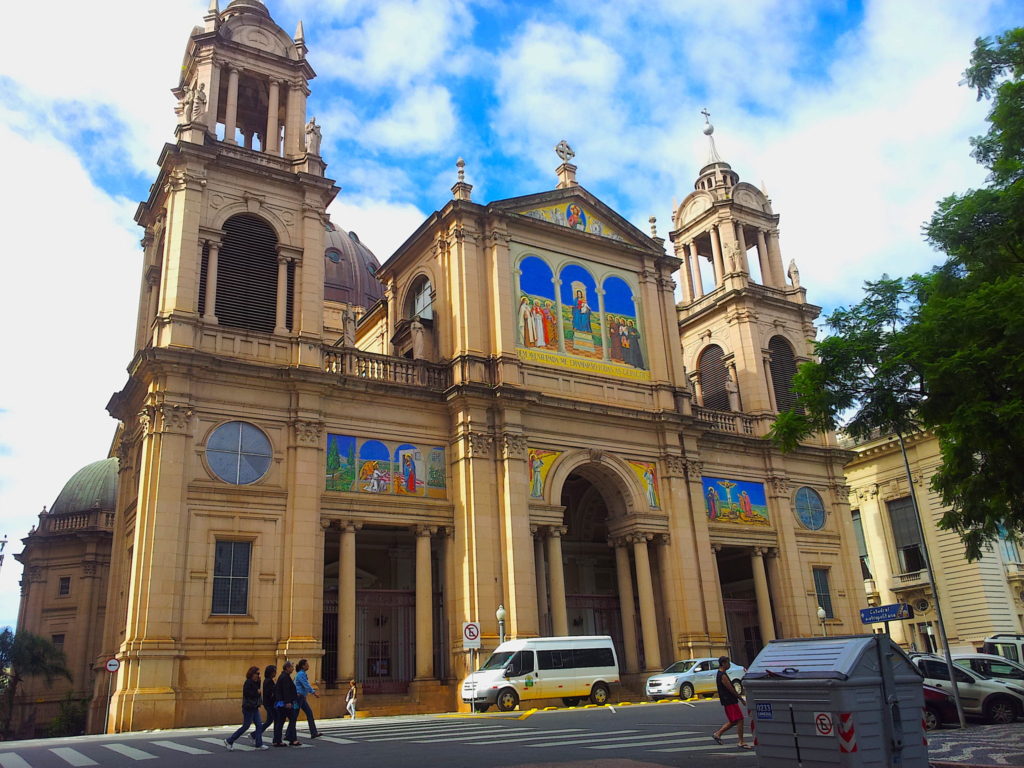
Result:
x=980 y=746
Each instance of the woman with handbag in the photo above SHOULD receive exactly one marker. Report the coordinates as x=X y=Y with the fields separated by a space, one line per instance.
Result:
x=250 y=710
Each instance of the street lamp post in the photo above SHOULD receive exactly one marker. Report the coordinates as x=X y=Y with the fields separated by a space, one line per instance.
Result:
x=821 y=618
x=500 y=616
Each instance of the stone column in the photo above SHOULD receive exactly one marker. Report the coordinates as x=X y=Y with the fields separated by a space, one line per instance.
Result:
x=698 y=280
x=295 y=120
x=763 y=261
x=541 y=579
x=210 y=308
x=775 y=260
x=213 y=97
x=231 y=109
x=764 y=605
x=687 y=278
x=716 y=256
x=626 y=606
x=698 y=390
x=281 y=318
x=558 y=314
x=604 y=326
x=741 y=240
x=273 y=130
x=645 y=591
x=424 y=601
x=766 y=361
x=347 y=601
x=668 y=582
x=556 y=583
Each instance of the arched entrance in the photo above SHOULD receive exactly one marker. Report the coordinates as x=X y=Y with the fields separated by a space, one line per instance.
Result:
x=748 y=613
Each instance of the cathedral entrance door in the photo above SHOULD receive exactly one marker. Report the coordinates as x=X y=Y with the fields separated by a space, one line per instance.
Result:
x=596 y=615
x=744 y=631
x=385 y=639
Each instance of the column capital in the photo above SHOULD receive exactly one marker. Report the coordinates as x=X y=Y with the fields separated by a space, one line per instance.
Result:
x=308 y=431
x=716 y=547
x=758 y=551
x=557 y=531
x=424 y=531
x=513 y=445
x=479 y=444
x=349 y=526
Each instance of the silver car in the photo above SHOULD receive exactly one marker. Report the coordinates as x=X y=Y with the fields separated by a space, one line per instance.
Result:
x=692 y=676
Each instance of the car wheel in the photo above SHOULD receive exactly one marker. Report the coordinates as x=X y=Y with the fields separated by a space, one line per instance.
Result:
x=481 y=707
x=738 y=685
x=686 y=691
x=599 y=694
x=570 y=701
x=508 y=699
x=1000 y=710
x=931 y=719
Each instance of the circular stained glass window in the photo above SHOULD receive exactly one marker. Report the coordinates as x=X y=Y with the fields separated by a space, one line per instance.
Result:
x=238 y=453
x=810 y=510
x=334 y=256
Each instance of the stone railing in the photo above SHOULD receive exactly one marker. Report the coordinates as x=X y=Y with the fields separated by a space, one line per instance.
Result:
x=727 y=421
x=77 y=521
x=392 y=370
x=1015 y=571
x=908 y=580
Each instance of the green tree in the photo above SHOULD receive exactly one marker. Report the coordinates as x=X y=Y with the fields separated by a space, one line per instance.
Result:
x=24 y=655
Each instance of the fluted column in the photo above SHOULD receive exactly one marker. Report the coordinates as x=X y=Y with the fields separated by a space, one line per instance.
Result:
x=273 y=130
x=687 y=280
x=281 y=317
x=645 y=591
x=716 y=256
x=424 y=602
x=626 y=606
x=698 y=280
x=541 y=579
x=210 y=305
x=556 y=583
x=763 y=262
x=231 y=109
x=295 y=120
x=775 y=260
x=764 y=605
x=347 y=601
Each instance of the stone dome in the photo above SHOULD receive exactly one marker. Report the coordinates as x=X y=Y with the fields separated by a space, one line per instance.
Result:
x=93 y=486
x=349 y=270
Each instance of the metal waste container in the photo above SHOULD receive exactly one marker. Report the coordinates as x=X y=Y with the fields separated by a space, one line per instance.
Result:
x=836 y=701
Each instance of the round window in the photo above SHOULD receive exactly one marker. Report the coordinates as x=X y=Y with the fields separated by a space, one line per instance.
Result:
x=238 y=453
x=810 y=510
x=334 y=256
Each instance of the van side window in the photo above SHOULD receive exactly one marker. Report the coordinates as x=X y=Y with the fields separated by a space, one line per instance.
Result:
x=593 y=657
x=1008 y=651
x=557 y=659
x=521 y=664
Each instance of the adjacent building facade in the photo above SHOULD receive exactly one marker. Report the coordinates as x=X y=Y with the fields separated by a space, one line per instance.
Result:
x=324 y=457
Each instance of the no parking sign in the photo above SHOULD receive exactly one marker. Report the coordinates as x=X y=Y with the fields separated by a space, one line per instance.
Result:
x=470 y=635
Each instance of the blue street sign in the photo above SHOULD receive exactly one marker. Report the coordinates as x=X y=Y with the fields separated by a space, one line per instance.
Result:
x=894 y=612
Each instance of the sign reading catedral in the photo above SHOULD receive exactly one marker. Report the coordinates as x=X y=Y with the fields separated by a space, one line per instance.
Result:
x=321 y=456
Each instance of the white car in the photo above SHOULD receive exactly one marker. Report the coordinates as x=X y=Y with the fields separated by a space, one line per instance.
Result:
x=995 y=700
x=692 y=676
x=991 y=666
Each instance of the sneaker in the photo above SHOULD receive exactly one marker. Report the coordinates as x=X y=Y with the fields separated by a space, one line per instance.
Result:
x=229 y=745
x=262 y=746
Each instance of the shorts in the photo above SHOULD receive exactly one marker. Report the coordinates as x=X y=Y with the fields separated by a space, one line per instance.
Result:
x=733 y=712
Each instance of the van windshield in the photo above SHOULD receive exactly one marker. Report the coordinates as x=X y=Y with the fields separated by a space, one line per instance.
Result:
x=681 y=666
x=497 y=660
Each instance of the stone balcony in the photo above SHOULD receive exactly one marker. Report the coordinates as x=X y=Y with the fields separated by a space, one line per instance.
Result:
x=93 y=519
x=872 y=593
x=904 y=582
x=1015 y=574
x=355 y=363
x=731 y=421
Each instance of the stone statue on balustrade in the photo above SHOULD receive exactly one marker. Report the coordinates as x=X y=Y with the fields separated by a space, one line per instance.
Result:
x=313 y=137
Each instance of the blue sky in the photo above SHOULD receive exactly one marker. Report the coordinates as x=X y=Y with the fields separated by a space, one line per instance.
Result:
x=849 y=113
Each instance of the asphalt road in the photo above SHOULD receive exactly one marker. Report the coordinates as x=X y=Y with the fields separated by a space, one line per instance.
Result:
x=665 y=734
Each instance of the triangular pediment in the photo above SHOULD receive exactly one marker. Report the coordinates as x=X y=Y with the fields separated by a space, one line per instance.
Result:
x=577 y=209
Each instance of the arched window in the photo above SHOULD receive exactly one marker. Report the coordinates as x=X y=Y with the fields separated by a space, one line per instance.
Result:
x=783 y=369
x=247 y=275
x=713 y=377
x=421 y=300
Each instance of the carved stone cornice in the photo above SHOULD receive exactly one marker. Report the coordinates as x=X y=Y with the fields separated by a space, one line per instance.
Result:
x=514 y=445
x=479 y=444
x=841 y=491
x=308 y=432
x=169 y=418
x=675 y=466
x=779 y=485
x=694 y=469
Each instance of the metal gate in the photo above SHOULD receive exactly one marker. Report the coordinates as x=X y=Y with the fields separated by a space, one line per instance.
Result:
x=742 y=624
x=600 y=615
x=385 y=639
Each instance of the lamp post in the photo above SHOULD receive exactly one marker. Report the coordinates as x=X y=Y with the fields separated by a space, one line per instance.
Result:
x=821 y=618
x=500 y=616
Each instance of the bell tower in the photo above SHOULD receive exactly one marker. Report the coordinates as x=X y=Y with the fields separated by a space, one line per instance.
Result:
x=743 y=334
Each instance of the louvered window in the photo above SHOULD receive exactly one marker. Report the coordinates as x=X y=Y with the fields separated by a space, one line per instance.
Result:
x=247 y=275
x=713 y=375
x=204 y=271
x=783 y=369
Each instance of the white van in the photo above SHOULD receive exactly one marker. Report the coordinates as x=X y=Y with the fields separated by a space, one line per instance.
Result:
x=1007 y=645
x=566 y=668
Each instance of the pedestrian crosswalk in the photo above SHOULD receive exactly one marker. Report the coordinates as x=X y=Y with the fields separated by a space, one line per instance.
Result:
x=413 y=730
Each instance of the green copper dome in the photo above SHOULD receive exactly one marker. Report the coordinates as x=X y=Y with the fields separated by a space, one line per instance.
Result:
x=94 y=485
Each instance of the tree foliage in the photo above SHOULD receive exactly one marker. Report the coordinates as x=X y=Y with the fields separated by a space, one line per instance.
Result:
x=946 y=350
x=25 y=655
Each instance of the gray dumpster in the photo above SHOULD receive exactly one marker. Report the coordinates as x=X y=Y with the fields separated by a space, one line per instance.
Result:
x=836 y=701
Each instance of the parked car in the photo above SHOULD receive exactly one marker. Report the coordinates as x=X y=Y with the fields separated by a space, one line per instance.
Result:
x=939 y=708
x=980 y=695
x=991 y=666
x=1005 y=644
x=689 y=677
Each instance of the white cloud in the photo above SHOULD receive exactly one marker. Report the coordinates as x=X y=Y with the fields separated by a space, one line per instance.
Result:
x=382 y=225
x=423 y=120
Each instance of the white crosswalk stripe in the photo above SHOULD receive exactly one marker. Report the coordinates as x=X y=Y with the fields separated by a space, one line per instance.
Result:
x=179 y=747
x=589 y=738
x=451 y=735
x=13 y=760
x=534 y=735
x=334 y=740
x=73 y=756
x=132 y=752
x=658 y=742
x=220 y=742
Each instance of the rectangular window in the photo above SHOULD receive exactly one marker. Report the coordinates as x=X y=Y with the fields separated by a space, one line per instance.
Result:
x=231 y=578
x=906 y=535
x=822 y=591
x=58 y=641
x=862 y=545
x=64 y=586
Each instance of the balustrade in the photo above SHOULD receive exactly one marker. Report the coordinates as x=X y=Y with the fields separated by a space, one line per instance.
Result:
x=393 y=370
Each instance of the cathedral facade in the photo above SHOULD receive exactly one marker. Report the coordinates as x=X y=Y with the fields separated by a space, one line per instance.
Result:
x=324 y=457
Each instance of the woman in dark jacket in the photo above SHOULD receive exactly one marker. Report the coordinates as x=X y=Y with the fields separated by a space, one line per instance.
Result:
x=250 y=709
x=269 y=698
x=286 y=706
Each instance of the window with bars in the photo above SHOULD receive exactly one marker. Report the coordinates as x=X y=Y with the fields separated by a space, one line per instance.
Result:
x=231 y=578
x=247 y=275
x=906 y=535
x=421 y=300
x=822 y=591
x=862 y=545
x=713 y=377
x=64 y=586
x=783 y=367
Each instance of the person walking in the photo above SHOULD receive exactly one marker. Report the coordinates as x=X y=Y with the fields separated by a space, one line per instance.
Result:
x=350 y=699
x=285 y=707
x=250 y=710
x=303 y=689
x=269 y=698
x=731 y=702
